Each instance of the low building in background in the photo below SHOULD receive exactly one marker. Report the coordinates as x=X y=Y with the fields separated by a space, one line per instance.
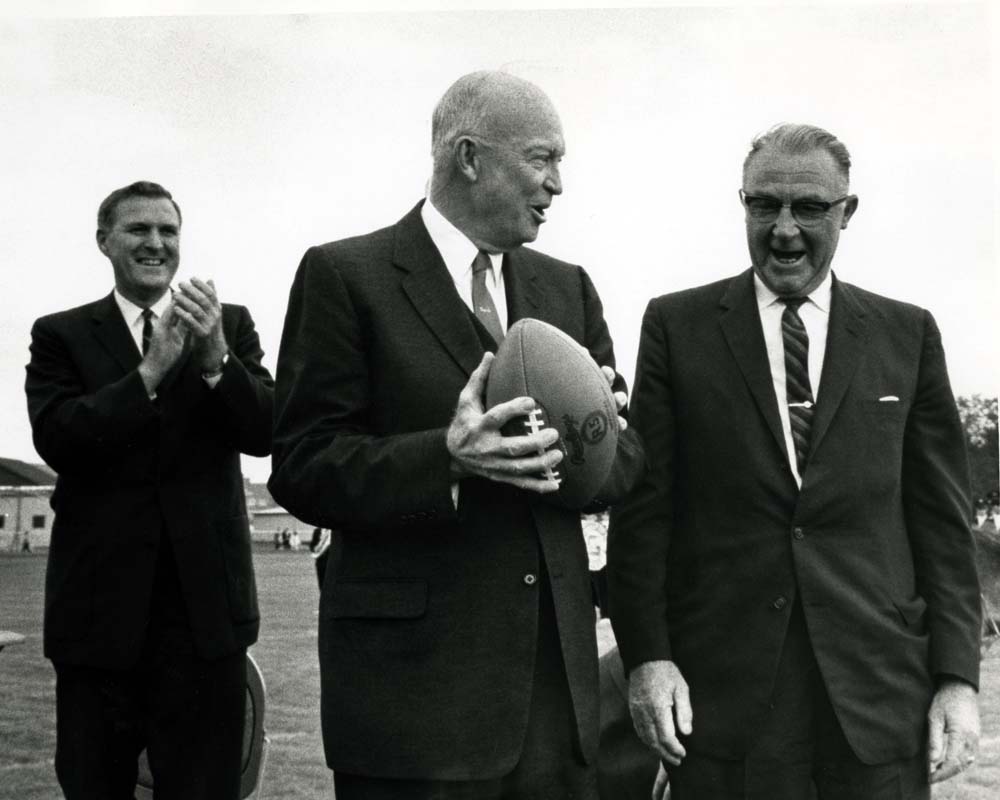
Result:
x=267 y=518
x=25 y=513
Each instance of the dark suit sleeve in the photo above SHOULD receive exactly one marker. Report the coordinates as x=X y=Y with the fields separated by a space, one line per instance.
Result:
x=937 y=504
x=74 y=429
x=639 y=535
x=245 y=390
x=629 y=457
x=330 y=467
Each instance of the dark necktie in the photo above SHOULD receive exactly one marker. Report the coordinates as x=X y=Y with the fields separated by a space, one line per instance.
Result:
x=147 y=329
x=482 y=302
x=797 y=388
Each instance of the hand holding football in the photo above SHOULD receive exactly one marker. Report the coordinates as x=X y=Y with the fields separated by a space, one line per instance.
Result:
x=572 y=395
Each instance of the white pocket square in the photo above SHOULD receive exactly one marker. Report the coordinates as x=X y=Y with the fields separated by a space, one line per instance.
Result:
x=889 y=398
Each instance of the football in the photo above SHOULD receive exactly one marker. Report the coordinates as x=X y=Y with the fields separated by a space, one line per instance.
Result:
x=538 y=360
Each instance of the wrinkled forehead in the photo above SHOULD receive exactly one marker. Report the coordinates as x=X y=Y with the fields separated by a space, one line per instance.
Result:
x=801 y=174
x=525 y=120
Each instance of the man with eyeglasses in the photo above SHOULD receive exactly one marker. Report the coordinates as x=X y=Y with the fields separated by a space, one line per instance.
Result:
x=792 y=584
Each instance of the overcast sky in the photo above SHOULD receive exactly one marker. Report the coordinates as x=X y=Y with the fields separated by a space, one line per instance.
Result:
x=278 y=132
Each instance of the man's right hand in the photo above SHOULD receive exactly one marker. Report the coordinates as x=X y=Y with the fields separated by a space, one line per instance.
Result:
x=478 y=448
x=657 y=696
x=165 y=347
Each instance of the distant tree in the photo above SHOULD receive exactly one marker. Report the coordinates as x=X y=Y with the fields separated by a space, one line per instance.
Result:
x=979 y=418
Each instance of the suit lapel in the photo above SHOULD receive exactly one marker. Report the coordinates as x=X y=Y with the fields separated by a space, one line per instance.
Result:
x=845 y=341
x=742 y=328
x=431 y=290
x=113 y=334
x=524 y=295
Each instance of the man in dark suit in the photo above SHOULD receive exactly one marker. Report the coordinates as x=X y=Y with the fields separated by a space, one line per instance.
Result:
x=792 y=584
x=143 y=401
x=457 y=645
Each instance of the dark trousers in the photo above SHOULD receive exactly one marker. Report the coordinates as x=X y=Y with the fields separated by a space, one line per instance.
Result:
x=798 y=750
x=188 y=713
x=550 y=766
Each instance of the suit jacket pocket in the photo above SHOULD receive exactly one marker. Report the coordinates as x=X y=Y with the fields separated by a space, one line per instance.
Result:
x=234 y=534
x=378 y=598
x=887 y=414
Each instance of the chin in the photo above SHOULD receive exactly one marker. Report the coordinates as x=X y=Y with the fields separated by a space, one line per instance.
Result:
x=784 y=284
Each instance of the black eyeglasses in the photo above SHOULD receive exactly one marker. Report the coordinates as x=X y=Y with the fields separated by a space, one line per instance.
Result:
x=804 y=212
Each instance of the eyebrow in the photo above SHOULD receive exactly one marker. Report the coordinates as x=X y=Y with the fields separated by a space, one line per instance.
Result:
x=168 y=226
x=806 y=198
x=548 y=149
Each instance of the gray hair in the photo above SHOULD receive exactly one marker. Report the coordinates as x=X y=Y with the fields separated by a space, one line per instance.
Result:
x=460 y=111
x=471 y=106
x=796 y=138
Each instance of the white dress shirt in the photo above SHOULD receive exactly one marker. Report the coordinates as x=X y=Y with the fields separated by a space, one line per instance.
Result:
x=458 y=254
x=133 y=314
x=815 y=315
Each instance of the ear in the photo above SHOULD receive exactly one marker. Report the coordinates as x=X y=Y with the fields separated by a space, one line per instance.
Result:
x=467 y=159
x=850 y=206
x=102 y=237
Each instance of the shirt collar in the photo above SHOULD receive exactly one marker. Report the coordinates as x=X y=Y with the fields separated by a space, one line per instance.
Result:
x=131 y=312
x=456 y=249
x=820 y=296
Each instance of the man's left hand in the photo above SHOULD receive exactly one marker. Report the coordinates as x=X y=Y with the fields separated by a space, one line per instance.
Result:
x=620 y=398
x=954 y=730
x=198 y=306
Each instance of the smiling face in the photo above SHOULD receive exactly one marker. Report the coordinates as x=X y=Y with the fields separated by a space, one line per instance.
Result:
x=518 y=176
x=143 y=245
x=793 y=259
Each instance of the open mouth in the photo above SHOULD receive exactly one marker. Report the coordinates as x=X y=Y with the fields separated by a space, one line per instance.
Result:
x=539 y=213
x=788 y=258
x=151 y=262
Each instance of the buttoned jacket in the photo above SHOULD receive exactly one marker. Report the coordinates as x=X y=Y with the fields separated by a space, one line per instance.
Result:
x=709 y=553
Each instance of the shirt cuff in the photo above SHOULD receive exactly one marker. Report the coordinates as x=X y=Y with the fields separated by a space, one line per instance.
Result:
x=212 y=378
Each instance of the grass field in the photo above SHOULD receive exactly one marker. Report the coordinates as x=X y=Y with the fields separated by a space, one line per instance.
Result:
x=286 y=653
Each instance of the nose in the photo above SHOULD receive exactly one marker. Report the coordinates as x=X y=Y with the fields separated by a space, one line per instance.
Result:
x=553 y=181
x=153 y=239
x=785 y=224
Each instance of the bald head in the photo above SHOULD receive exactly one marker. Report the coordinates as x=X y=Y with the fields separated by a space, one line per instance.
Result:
x=497 y=144
x=492 y=106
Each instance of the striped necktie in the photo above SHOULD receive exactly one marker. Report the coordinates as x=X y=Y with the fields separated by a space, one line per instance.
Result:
x=147 y=329
x=482 y=301
x=801 y=405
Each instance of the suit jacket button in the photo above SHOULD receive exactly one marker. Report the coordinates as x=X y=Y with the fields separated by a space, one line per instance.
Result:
x=529 y=579
x=779 y=602
x=798 y=533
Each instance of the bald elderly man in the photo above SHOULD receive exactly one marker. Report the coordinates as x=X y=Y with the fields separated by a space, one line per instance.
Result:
x=457 y=647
